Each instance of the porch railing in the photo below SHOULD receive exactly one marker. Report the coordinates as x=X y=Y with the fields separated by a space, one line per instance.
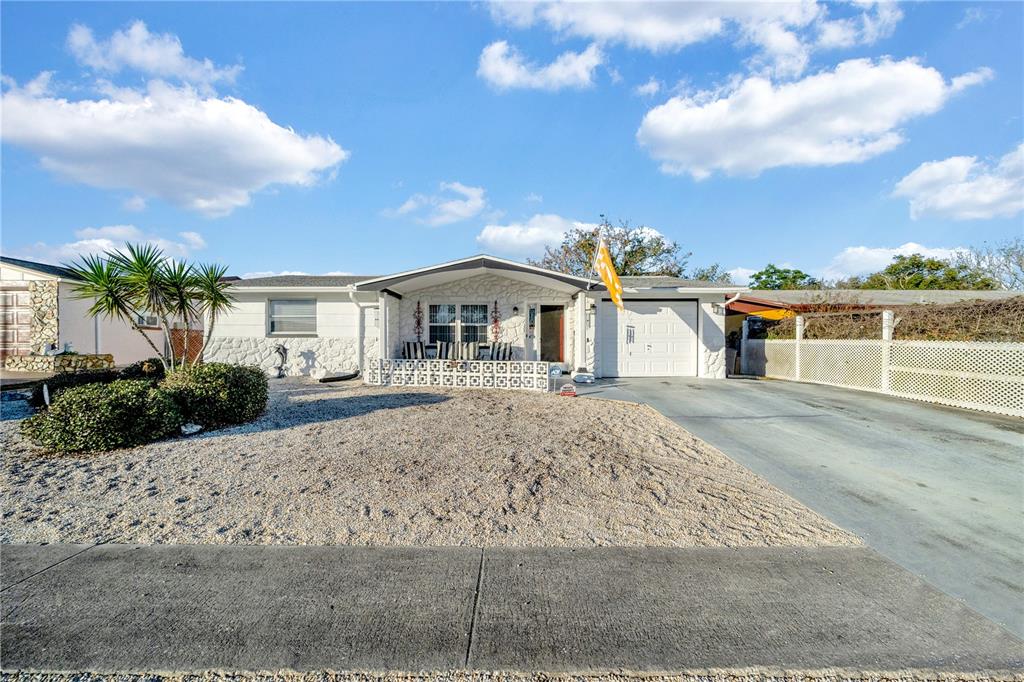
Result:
x=512 y=374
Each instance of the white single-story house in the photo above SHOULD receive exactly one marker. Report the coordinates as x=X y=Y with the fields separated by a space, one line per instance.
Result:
x=521 y=318
x=39 y=311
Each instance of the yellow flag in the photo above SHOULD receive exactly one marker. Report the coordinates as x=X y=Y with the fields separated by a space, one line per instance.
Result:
x=605 y=269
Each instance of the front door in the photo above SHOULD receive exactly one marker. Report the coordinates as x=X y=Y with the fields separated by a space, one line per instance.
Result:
x=552 y=333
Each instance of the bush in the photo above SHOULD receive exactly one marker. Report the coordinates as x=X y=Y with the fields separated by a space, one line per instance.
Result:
x=152 y=369
x=104 y=416
x=65 y=380
x=218 y=394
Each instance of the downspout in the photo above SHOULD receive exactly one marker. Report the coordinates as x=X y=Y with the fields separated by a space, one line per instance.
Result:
x=362 y=329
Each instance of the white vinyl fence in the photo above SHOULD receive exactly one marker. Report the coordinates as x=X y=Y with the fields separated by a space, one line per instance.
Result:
x=979 y=376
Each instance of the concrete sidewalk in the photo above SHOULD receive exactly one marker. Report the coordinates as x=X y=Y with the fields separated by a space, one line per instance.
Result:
x=113 y=608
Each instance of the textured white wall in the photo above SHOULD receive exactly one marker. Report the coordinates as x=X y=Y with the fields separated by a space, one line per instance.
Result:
x=240 y=335
x=711 y=363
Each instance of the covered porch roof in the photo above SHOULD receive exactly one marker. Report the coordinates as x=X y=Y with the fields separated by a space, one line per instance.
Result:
x=412 y=280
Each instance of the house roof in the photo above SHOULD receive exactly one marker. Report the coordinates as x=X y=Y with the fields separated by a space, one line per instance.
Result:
x=659 y=281
x=873 y=297
x=301 y=281
x=44 y=268
x=436 y=274
x=419 y=278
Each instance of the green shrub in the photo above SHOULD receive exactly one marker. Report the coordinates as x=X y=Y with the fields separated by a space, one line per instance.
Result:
x=104 y=416
x=217 y=394
x=65 y=380
x=152 y=369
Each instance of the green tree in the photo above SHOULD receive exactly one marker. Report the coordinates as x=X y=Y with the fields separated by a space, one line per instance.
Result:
x=142 y=281
x=634 y=251
x=921 y=272
x=711 y=273
x=774 y=277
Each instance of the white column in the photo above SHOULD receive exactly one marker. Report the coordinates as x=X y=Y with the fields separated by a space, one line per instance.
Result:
x=580 y=345
x=888 y=322
x=382 y=324
x=744 y=356
x=799 y=339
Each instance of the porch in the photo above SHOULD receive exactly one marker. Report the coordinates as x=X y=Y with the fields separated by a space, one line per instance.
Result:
x=484 y=324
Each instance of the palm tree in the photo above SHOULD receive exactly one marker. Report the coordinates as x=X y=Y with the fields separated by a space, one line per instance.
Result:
x=212 y=295
x=141 y=280
x=100 y=279
x=179 y=281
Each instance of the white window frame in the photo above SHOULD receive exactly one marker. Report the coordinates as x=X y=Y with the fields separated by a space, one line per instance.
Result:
x=457 y=325
x=271 y=318
x=147 y=320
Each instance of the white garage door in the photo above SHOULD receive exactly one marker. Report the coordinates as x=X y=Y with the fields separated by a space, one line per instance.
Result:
x=649 y=339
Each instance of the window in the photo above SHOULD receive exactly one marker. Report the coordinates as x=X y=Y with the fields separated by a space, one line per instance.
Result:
x=441 y=318
x=144 y=319
x=474 y=322
x=451 y=322
x=293 y=317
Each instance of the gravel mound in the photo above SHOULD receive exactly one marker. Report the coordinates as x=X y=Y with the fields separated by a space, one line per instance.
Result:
x=351 y=464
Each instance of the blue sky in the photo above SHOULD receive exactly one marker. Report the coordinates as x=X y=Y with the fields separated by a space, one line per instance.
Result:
x=372 y=138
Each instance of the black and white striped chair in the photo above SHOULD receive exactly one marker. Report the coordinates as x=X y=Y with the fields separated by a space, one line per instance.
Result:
x=501 y=350
x=413 y=350
x=446 y=350
x=469 y=350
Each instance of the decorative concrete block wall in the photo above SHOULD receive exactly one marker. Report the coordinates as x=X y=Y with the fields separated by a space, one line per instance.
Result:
x=304 y=354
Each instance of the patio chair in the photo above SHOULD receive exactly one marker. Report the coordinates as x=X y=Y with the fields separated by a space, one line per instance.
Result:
x=501 y=350
x=413 y=350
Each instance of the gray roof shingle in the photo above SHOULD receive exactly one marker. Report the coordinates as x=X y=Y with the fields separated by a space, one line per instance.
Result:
x=651 y=281
x=45 y=268
x=302 y=281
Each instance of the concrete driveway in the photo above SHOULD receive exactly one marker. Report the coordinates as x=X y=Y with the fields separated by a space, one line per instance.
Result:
x=940 y=491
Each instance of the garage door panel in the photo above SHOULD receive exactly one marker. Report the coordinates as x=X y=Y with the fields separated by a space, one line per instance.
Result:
x=651 y=338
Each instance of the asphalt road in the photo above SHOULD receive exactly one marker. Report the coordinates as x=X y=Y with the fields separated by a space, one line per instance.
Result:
x=938 y=490
x=178 y=608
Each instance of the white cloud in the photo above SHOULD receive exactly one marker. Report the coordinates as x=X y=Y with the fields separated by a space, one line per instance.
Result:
x=783 y=33
x=975 y=15
x=533 y=198
x=741 y=276
x=445 y=208
x=976 y=77
x=877 y=20
x=964 y=188
x=201 y=153
x=863 y=260
x=527 y=239
x=504 y=68
x=101 y=240
x=134 y=204
x=847 y=115
x=135 y=48
x=648 y=89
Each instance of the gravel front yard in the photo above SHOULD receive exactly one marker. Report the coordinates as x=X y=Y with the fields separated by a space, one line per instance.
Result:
x=349 y=464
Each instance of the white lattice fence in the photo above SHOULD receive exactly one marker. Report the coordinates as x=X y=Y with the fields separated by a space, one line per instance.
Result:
x=979 y=376
x=775 y=359
x=521 y=375
x=854 y=364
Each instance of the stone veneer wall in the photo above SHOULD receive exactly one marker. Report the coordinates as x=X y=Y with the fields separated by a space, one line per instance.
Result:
x=57 y=363
x=712 y=341
x=304 y=354
x=484 y=289
x=43 y=298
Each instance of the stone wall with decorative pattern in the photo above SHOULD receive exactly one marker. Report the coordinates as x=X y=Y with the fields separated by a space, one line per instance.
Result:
x=57 y=363
x=712 y=340
x=43 y=296
x=304 y=354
